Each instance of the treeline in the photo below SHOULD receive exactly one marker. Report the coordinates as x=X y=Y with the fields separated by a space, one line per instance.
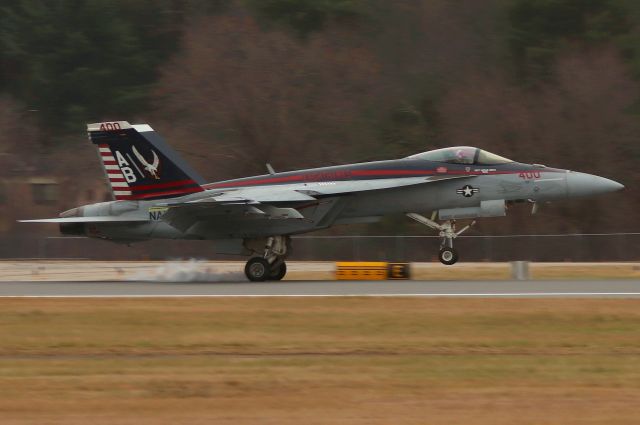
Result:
x=302 y=83
x=73 y=61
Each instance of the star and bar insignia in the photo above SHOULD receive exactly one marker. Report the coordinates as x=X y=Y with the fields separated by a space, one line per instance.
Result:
x=467 y=191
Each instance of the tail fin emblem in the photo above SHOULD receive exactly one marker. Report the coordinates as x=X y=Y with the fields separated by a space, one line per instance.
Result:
x=152 y=169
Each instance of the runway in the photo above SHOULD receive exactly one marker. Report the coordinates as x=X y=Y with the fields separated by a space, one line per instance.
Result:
x=564 y=288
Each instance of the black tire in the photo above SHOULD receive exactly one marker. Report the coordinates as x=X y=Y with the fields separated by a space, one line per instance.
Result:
x=448 y=256
x=278 y=272
x=257 y=269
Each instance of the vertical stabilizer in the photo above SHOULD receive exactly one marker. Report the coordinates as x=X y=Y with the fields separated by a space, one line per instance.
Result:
x=139 y=165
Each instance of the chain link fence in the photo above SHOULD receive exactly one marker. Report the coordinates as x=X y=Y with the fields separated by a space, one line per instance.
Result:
x=567 y=247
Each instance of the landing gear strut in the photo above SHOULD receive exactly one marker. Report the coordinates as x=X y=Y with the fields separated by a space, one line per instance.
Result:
x=270 y=265
x=447 y=254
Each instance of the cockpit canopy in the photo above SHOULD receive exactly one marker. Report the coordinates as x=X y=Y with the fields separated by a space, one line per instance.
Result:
x=461 y=155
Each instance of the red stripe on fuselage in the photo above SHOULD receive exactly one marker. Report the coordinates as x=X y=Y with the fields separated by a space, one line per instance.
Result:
x=328 y=176
x=163 y=185
x=392 y=173
x=478 y=173
x=163 y=193
x=345 y=176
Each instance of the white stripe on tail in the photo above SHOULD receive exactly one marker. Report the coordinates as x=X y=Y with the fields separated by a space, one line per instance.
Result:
x=116 y=178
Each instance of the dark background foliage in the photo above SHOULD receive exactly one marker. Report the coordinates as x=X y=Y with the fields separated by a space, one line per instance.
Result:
x=233 y=84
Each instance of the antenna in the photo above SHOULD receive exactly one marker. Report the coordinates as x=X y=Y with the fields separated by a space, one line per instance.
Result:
x=270 y=169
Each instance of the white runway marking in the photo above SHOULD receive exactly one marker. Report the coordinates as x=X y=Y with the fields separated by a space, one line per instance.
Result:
x=299 y=289
x=434 y=295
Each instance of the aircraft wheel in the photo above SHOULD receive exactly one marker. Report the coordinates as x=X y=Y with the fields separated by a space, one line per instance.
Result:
x=448 y=256
x=279 y=272
x=257 y=269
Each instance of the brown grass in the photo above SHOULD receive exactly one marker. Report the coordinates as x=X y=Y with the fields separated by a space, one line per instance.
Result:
x=585 y=271
x=461 y=271
x=350 y=361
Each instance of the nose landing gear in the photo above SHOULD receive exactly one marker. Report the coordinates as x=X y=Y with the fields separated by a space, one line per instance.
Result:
x=447 y=231
x=271 y=265
x=448 y=256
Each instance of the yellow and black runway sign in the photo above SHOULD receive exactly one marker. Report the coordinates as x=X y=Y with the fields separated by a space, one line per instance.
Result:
x=371 y=270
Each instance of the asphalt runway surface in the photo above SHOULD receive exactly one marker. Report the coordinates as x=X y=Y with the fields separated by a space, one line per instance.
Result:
x=563 y=288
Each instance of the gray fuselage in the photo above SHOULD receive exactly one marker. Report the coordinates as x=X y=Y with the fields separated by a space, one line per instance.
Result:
x=344 y=194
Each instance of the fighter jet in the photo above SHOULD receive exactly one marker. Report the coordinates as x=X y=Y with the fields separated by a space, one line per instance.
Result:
x=158 y=196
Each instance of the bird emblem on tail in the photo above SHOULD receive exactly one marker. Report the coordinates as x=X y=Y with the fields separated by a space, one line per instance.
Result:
x=152 y=168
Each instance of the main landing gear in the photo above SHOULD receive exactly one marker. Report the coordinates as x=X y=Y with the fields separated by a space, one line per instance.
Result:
x=447 y=254
x=271 y=265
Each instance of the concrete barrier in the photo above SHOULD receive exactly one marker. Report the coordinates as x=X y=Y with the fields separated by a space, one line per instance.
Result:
x=520 y=270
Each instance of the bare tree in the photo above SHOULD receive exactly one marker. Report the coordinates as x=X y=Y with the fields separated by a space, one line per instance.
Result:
x=581 y=121
x=238 y=97
x=18 y=139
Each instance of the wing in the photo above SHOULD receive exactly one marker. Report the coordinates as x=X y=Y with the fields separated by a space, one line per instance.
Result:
x=310 y=191
x=280 y=202
x=354 y=186
x=183 y=216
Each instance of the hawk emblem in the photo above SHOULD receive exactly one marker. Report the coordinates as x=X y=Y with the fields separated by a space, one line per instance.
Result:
x=151 y=169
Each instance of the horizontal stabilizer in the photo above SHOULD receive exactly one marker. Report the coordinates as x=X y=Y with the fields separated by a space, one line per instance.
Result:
x=104 y=219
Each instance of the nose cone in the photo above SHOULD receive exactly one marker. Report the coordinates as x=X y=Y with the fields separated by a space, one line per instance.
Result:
x=582 y=184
